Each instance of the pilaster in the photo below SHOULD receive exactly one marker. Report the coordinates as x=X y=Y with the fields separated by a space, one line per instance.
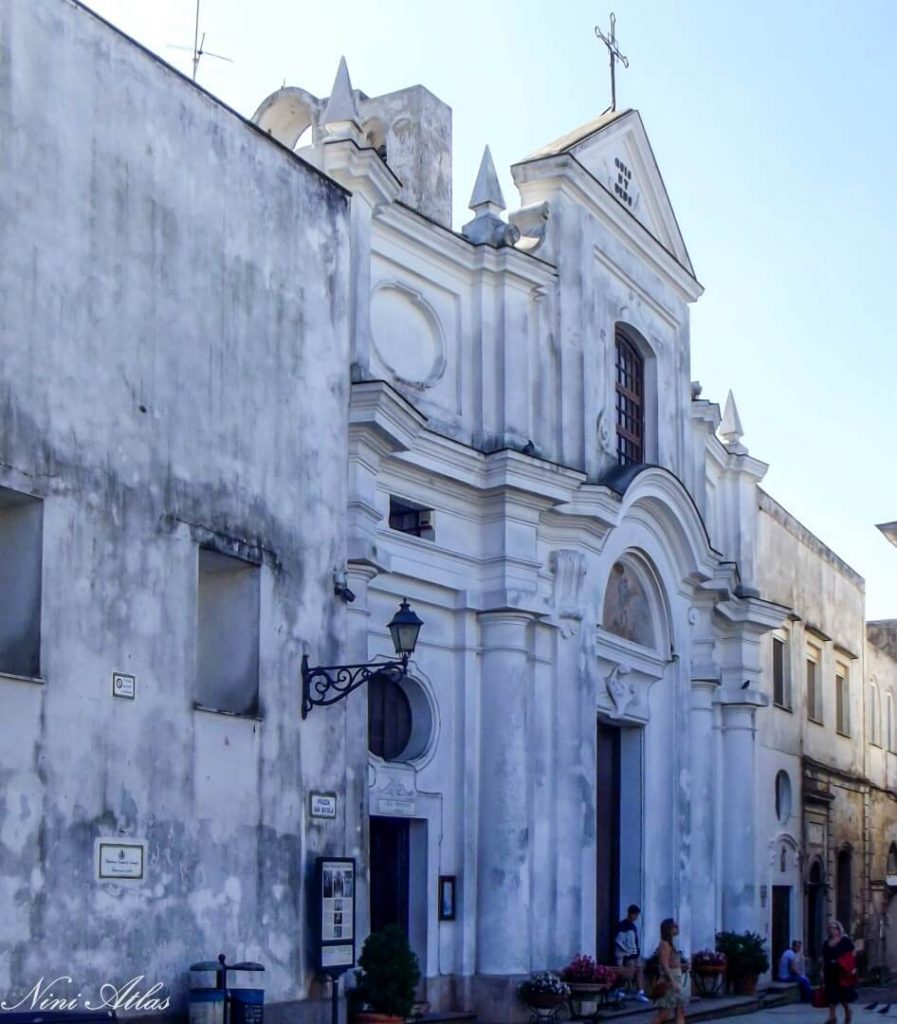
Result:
x=503 y=926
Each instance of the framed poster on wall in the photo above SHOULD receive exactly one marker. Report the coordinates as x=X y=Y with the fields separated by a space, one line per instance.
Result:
x=447 y=893
x=335 y=913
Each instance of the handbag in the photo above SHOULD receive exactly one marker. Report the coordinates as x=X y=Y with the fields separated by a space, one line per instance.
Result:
x=659 y=989
x=819 y=1001
x=847 y=971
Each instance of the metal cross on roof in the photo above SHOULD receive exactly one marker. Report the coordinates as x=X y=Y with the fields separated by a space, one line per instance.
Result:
x=610 y=41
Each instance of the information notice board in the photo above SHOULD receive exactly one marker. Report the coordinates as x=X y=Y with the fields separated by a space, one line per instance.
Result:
x=335 y=902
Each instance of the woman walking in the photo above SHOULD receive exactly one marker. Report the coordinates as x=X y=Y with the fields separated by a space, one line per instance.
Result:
x=839 y=974
x=670 y=970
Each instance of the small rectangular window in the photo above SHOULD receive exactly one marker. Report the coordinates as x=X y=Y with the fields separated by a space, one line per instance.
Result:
x=227 y=634
x=780 y=690
x=21 y=543
x=842 y=701
x=406 y=517
x=814 y=695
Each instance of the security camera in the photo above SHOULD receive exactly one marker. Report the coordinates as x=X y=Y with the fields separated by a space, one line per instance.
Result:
x=342 y=590
x=341 y=586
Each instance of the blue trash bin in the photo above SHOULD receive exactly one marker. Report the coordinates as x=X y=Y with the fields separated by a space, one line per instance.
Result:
x=207 y=993
x=245 y=996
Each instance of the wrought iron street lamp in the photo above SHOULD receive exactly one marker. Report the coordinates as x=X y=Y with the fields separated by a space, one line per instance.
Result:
x=328 y=684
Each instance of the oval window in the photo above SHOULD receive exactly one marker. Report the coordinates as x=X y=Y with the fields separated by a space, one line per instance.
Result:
x=783 y=796
x=389 y=718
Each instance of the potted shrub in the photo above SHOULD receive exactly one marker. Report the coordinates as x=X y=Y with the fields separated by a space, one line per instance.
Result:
x=746 y=960
x=543 y=990
x=586 y=981
x=388 y=975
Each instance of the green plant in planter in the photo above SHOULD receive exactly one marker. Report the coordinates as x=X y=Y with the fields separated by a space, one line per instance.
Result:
x=389 y=974
x=745 y=952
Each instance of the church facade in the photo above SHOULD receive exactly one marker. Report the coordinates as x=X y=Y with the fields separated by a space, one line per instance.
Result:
x=323 y=400
x=532 y=467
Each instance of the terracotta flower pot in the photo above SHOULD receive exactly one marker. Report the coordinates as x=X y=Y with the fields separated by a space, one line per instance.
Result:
x=742 y=984
x=367 y=1017
x=585 y=996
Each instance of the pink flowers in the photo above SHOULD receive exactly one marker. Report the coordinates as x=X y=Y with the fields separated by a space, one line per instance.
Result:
x=583 y=970
x=709 y=958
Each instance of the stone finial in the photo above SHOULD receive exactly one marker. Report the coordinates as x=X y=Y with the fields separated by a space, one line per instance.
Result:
x=487 y=202
x=341 y=107
x=731 y=430
x=487 y=191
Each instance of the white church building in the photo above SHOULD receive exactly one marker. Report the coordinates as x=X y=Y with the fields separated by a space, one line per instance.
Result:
x=314 y=390
x=529 y=466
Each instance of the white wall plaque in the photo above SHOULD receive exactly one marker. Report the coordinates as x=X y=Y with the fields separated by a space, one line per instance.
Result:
x=124 y=685
x=337 y=956
x=120 y=860
x=323 y=805
x=399 y=808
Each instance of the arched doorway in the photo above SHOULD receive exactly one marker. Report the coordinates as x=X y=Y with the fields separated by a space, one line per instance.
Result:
x=634 y=636
x=815 y=910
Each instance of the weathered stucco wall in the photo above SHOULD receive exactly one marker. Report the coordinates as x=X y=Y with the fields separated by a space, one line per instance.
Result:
x=172 y=292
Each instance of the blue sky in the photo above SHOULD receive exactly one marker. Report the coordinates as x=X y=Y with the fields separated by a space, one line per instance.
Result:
x=773 y=124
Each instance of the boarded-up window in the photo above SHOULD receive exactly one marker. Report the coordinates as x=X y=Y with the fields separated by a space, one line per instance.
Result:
x=228 y=634
x=21 y=530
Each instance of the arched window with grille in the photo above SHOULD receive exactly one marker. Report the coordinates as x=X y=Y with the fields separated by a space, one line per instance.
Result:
x=630 y=401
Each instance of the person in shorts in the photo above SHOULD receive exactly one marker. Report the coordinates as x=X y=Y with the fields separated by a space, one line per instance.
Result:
x=628 y=950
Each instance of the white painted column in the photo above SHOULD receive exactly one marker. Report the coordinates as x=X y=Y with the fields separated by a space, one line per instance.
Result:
x=359 y=579
x=738 y=881
x=701 y=767
x=503 y=877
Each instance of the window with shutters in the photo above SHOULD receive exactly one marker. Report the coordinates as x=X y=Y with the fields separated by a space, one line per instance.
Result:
x=814 y=692
x=874 y=714
x=842 y=700
x=781 y=688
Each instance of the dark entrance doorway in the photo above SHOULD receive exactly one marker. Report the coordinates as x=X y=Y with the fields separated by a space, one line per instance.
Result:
x=390 y=872
x=781 y=923
x=815 y=912
x=607 y=909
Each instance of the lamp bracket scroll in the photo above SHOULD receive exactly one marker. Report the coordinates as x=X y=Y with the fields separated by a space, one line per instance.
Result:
x=323 y=685
x=329 y=684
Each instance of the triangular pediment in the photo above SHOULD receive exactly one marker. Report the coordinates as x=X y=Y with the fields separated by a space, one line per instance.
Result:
x=615 y=151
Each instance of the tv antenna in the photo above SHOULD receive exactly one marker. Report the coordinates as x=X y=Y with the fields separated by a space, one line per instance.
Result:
x=199 y=49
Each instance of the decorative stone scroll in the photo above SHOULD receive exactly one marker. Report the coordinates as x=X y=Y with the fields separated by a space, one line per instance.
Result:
x=621 y=693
